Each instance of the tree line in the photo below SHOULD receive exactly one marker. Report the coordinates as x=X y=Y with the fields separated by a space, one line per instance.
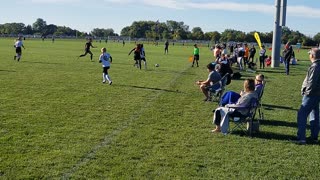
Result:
x=155 y=30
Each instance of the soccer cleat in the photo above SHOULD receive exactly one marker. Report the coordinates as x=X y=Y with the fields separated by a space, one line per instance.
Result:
x=110 y=82
x=103 y=82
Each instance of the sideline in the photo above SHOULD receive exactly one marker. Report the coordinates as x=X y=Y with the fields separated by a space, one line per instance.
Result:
x=108 y=138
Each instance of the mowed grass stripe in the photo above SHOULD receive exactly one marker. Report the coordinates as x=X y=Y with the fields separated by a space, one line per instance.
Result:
x=148 y=103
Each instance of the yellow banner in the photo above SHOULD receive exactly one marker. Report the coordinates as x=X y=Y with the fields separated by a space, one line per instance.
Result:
x=256 y=35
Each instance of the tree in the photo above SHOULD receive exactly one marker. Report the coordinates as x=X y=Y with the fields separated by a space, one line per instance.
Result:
x=197 y=33
x=39 y=26
x=125 y=31
x=103 y=32
x=28 y=30
x=316 y=38
x=50 y=29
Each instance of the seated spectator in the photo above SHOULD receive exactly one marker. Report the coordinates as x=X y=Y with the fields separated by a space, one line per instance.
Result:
x=221 y=114
x=268 y=61
x=231 y=97
x=211 y=81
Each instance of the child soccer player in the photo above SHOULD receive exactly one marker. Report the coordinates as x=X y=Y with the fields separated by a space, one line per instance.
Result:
x=105 y=59
x=18 y=44
x=143 y=57
x=137 y=55
x=87 y=49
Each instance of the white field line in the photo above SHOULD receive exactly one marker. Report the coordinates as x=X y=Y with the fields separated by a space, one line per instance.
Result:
x=108 y=138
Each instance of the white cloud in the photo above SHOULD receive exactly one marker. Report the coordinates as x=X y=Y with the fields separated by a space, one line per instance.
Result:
x=172 y=4
x=229 y=6
x=296 y=11
x=303 y=11
x=54 y=1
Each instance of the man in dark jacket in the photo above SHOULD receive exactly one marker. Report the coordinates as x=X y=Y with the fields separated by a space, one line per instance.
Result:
x=287 y=54
x=310 y=100
x=252 y=53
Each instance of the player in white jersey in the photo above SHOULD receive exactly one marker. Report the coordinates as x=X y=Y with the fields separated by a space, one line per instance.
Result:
x=143 y=57
x=106 y=59
x=18 y=44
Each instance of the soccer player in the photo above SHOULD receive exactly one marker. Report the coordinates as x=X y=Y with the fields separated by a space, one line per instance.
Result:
x=143 y=57
x=87 y=49
x=137 y=55
x=18 y=44
x=166 y=47
x=106 y=59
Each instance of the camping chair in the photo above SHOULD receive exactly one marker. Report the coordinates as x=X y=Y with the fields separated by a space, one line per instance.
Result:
x=215 y=94
x=245 y=122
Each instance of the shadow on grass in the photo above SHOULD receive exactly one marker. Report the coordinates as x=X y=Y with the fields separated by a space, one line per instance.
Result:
x=151 y=88
x=272 y=107
x=7 y=70
x=266 y=135
x=274 y=136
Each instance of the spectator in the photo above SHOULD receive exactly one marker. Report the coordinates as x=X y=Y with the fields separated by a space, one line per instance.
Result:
x=211 y=81
x=252 y=53
x=221 y=114
x=310 y=101
x=287 y=54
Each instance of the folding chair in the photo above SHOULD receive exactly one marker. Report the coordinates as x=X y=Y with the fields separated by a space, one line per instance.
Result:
x=245 y=122
x=215 y=94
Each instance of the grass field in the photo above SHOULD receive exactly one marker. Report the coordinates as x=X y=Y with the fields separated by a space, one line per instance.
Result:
x=58 y=121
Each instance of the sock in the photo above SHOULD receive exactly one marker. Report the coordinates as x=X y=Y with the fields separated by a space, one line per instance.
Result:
x=108 y=77
x=104 y=77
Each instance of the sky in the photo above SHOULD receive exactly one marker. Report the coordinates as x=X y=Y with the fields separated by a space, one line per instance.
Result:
x=209 y=15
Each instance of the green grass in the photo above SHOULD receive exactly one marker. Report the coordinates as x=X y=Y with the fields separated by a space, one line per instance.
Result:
x=58 y=121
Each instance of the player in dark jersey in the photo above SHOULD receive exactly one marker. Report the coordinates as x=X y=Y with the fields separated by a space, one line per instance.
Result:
x=87 y=49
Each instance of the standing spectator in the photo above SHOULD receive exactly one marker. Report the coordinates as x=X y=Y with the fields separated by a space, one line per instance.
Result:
x=262 y=56
x=166 y=47
x=196 y=55
x=18 y=44
x=246 y=54
x=87 y=50
x=252 y=53
x=310 y=101
x=105 y=58
x=287 y=54
x=240 y=54
x=217 y=51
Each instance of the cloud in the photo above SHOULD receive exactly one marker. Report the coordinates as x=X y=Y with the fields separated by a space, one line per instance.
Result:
x=303 y=11
x=54 y=1
x=296 y=11
x=172 y=4
x=229 y=6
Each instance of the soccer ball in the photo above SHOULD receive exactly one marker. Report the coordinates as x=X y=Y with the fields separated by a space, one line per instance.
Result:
x=156 y=65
